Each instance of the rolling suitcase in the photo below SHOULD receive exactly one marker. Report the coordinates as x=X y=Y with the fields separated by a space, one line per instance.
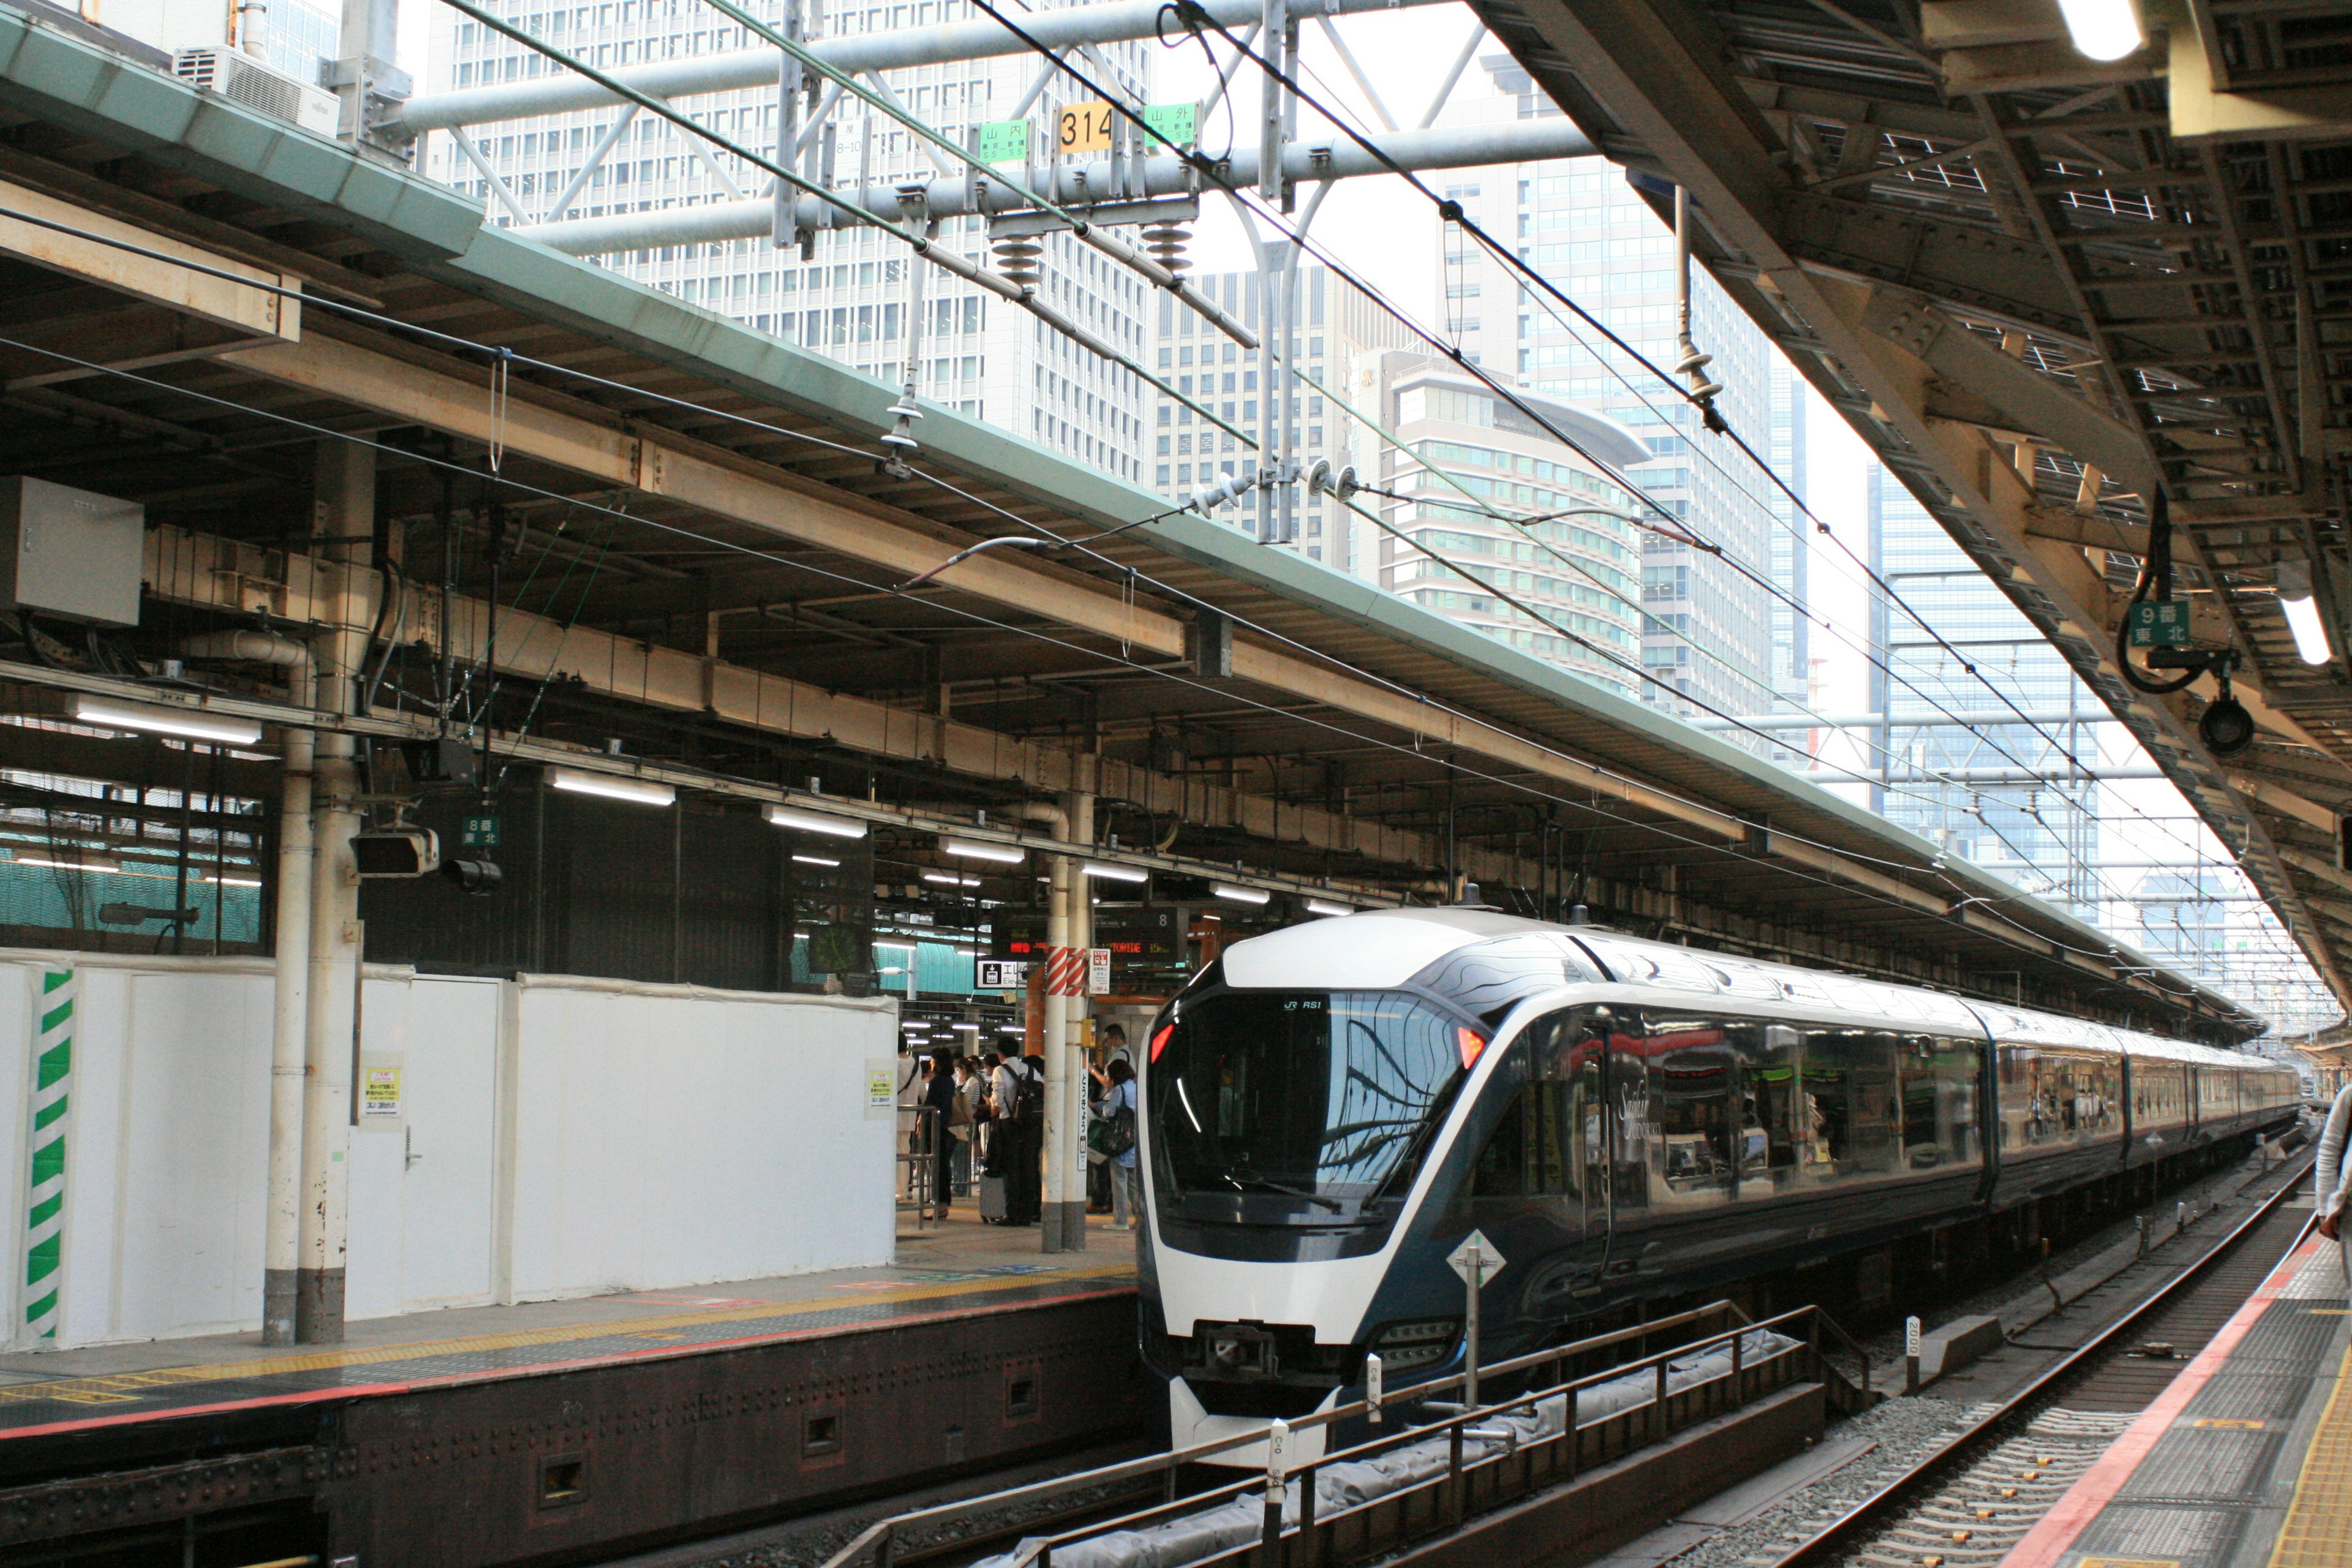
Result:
x=991 y=1199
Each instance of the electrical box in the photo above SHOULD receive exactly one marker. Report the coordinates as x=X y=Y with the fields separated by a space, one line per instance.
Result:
x=69 y=553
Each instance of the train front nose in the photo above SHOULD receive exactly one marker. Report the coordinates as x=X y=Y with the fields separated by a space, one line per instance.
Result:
x=1238 y=1377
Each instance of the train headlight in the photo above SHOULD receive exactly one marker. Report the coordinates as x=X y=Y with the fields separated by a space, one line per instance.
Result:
x=1423 y=1341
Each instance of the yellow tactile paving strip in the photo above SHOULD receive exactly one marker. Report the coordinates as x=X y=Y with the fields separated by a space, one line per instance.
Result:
x=112 y=1388
x=2318 y=1529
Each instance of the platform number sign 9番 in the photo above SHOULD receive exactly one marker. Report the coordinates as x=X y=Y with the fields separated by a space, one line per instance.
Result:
x=1084 y=127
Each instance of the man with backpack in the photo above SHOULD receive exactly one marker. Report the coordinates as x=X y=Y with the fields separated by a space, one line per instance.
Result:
x=1025 y=1197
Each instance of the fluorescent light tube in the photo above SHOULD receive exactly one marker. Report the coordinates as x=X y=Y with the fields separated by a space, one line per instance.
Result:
x=810 y=822
x=814 y=860
x=949 y=879
x=1241 y=895
x=612 y=787
x=1002 y=854
x=2103 y=29
x=1117 y=873
x=88 y=863
x=2302 y=612
x=193 y=723
x=1320 y=906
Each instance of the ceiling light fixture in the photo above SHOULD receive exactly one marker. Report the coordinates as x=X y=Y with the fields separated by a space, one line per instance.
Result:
x=1002 y=854
x=949 y=879
x=810 y=822
x=2302 y=610
x=638 y=791
x=1117 y=873
x=814 y=860
x=89 y=863
x=2103 y=29
x=1323 y=907
x=1241 y=895
x=194 y=723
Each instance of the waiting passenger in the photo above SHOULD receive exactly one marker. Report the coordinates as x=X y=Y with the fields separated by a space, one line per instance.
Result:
x=940 y=1096
x=2332 y=1177
x=1117 y=1110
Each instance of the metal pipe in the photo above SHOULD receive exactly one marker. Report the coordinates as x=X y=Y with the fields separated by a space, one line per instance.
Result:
x=1076 y=185
x=741 y=69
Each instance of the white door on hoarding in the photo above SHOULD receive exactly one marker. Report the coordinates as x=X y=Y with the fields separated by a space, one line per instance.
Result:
x=451 y=1091
x=422 y=1149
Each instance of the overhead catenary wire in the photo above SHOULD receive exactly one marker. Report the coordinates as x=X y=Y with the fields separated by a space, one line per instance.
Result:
x=1451 y=210
x=1590 y=803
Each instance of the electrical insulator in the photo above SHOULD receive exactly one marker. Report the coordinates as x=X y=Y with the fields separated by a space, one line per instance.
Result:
x=1165 y=240
x=1016 y=257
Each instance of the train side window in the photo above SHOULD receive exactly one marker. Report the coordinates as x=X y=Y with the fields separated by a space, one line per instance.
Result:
x=1527 y=1155
x=1939 y=1098
x=1770 y=1099
x=1690 y=1068
x=1633 y=1131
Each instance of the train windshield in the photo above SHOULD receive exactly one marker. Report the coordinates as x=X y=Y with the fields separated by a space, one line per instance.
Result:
x=1302 y=1105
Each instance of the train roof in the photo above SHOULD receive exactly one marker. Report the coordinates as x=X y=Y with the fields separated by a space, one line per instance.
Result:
x=1380 y=949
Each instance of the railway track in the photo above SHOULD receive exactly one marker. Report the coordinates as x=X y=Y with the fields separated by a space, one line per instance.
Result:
x=1968 y=1501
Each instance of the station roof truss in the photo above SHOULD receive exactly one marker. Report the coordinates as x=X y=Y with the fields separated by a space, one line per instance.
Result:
x=704 y=552
x=2036 y=285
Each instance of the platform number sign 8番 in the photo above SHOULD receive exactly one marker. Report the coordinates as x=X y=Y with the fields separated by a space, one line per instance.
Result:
x=1084 y=127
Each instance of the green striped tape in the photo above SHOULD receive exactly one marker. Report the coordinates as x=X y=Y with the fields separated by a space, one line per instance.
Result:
x=45 y=1218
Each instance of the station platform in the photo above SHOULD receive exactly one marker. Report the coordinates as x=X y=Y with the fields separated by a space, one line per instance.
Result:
x=2245 y=1460
x=946 y=1269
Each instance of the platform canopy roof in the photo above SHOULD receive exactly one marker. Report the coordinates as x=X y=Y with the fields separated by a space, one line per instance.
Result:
x=2042 y=286
x=701 y=551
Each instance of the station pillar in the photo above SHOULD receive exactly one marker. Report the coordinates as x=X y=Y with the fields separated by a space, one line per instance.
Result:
x=344 y=519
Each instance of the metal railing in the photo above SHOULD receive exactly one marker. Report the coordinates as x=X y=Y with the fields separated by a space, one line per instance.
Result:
x=924 y=1142
x=1469 y=1485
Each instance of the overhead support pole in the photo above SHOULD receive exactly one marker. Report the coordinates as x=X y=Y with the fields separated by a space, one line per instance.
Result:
x=1278 y=39
x=369 y=85
x=1065 y=884
x=736 y=71
x=784 y=229
x=1067 y=1224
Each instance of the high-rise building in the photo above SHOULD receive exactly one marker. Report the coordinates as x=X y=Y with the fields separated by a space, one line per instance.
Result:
x=1708 y=641
x=1341 y=334
x=1470 y=460
x=1981 y=723
x=850 y=292
x=299 y=39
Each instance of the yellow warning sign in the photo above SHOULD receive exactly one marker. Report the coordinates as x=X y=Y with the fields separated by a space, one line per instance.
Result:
x=379 y=1091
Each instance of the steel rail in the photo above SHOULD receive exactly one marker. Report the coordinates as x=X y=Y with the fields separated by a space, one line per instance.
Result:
x=1844 y=1532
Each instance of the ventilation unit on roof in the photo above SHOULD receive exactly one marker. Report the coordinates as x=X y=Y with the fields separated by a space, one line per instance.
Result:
x=241 y=78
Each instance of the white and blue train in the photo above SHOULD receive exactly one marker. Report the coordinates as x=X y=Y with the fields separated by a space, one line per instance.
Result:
x=1329 y=1110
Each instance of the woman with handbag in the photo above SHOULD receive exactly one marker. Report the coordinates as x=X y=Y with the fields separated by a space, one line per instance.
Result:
x=1114 y=1138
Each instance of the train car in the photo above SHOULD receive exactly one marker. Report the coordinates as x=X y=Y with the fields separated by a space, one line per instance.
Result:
x=1331 y=1110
